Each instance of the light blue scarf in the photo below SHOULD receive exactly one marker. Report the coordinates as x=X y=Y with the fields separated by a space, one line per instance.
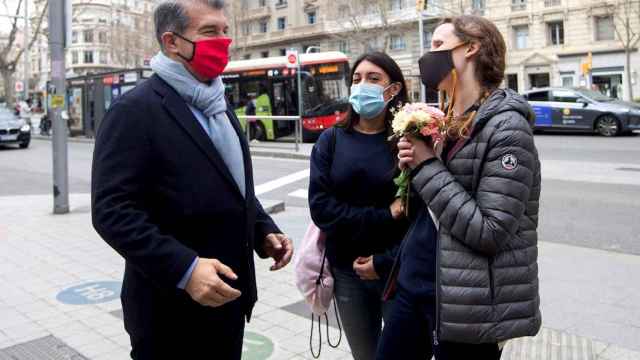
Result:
x=210 y=100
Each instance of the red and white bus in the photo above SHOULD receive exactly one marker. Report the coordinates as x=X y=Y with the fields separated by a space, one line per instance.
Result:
x=274 y=87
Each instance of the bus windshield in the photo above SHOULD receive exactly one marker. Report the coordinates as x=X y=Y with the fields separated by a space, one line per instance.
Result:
x=267 y=87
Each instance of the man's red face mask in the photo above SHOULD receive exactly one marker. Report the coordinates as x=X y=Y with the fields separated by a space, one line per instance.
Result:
x=209 y=57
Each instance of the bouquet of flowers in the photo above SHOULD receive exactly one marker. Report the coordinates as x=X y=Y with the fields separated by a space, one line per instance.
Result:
x=417 y=120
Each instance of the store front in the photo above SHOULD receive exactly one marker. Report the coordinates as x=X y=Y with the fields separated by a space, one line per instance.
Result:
x=609 y=84
x=90 y=96
x=608 y=75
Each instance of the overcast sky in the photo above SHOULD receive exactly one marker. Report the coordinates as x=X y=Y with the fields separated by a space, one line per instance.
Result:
x=10 y=9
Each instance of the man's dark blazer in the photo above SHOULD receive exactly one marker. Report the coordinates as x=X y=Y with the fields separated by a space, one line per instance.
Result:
x=162 y=195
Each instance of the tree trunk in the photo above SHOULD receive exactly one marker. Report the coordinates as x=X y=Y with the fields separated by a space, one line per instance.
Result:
x=628 y=94
x=8 y=82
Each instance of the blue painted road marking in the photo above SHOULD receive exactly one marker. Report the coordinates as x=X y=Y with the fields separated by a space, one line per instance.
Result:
x=90 y=293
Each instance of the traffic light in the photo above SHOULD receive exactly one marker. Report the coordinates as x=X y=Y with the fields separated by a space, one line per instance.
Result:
x=587 y=65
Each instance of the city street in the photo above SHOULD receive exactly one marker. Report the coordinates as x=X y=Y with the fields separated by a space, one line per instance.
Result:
x=589 y=254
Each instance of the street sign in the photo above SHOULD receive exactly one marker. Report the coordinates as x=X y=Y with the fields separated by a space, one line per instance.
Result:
x=19 y=86
x=292 y=59
x=57 y=101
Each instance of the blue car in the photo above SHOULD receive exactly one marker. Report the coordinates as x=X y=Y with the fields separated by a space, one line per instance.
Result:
x=582 y=110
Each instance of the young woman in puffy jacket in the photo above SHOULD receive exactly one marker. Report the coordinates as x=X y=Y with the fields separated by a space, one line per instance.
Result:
x=467 y=274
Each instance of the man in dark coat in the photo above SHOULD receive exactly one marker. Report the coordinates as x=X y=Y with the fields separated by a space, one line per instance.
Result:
x=173 y=193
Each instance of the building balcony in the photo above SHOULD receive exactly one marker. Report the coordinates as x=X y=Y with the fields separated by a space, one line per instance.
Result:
x=292 y=33
x=257 y=13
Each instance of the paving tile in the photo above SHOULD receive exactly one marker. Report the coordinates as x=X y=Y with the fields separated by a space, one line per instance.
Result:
x=45 y=348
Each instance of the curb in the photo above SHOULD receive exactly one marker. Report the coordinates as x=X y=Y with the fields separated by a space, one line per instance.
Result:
x=69 y=139
x=254 y=152
x=272 y=206
x=280 y=155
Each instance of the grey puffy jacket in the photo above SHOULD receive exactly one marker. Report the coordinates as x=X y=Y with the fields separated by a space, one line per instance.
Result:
x=486 y=202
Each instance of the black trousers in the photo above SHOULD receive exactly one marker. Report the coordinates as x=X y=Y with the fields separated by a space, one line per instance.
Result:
x=409 y=335
x=214 y=336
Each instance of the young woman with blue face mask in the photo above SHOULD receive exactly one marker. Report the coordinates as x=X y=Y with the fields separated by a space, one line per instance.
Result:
x=352 y=198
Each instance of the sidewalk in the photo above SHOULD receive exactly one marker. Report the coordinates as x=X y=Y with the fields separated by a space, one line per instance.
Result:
x=59 y=295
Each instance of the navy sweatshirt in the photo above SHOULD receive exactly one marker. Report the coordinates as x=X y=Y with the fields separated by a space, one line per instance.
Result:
x=349 y=197
x=416 y=275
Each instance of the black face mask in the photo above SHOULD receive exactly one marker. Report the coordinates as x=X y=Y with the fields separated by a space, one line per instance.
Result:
x=435 y=66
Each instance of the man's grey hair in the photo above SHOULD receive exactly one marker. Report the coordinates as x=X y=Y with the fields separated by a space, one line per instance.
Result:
x=171 y=15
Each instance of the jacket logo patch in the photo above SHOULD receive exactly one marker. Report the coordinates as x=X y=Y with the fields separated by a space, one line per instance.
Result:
x=509 y=162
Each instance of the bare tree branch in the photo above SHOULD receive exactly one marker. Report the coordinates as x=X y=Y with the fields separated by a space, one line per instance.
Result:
x=34 y=37
x=12 y=36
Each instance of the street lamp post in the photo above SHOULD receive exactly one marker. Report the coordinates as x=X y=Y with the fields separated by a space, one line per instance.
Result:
x=26 y=50
x=58 y=94
x=423 y=92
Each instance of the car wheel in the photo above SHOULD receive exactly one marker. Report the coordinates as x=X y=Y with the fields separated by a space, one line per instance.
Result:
x=608 y=125
x=24 y=145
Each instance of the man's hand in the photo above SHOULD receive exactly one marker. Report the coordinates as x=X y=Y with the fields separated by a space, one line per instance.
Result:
x=363 y=266
x=397 y=209
x=280 y=248
x=207 y=288
x=413 y=152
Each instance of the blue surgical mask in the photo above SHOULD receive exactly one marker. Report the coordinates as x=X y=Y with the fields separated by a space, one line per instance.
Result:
x=368 y=99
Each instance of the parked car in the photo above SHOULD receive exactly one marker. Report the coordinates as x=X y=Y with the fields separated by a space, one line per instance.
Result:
x=14 y=130
x=583 y=110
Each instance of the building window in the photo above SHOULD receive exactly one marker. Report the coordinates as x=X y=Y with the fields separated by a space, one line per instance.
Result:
x=264 y=54
x=428 y=35
x=551 y=3
x=88 y=36
x=283 y=52
x=262 y=3
x=246 y=56
x=282 y=23
x=604 y=28
x=343 y=46
x=246 y=29
x=397 y=42
x=74 y=37
x=103 y=57
x=512 y=82
x=518 y=5
x=281 y=3
x=567 y=81
x=74 y=57
x=521 y=37
x=478 y=7
x=311 y=17
x=397 y=5
x=373 y=45
x=556 y=33
x=263 y=27
x=102 y=37
x=88 y=57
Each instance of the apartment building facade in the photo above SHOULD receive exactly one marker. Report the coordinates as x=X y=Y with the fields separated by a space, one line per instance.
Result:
x=547 y=40
x=106 y=35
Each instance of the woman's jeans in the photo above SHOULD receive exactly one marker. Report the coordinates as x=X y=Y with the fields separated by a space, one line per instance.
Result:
x=409 y=334
x=361 y=311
